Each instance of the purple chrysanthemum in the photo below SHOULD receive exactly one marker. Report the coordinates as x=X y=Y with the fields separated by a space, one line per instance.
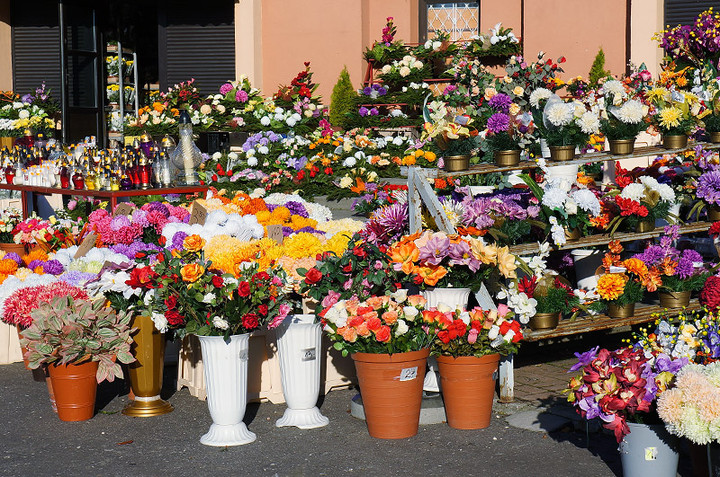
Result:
x=53 y=267
x=36 y=263
x=76 y=278
x=13 y=256
x=498 y=122
x=708 y=187
x=297 y=208
x=500 y=102
x=177 y=240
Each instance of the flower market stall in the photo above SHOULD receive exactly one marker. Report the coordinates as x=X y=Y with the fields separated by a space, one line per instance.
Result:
x=489 y=212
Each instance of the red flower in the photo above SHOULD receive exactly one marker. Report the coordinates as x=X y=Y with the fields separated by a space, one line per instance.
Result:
x=359 y=252
x=263 y=310
x=171 y=302
x=262 y=276
x=313 y=276
x=174 y=318
x=244 y=289
x=217 y=281
x=143 y=277
x=710 y=294
x=383 y=335
x=715 y=230
x=250 y=321
x=630 y=207
x=527 y=286
x=374 y=324
x=162 y=240
x=444 y=336
x=348 y=268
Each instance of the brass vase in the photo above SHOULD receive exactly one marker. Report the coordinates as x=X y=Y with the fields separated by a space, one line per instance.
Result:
x=645 y=226
x=714 y=136
x=671 y=299
x=562 y=153
x=625 y=311
x=146 y=374
x=622 y=146
x=507 y=158
x=544 y=321
x=457 y=163
x=713 y=213
x=573 y=234
x=674 y=141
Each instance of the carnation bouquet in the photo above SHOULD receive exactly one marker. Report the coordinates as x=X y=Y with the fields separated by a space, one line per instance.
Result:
x=645 y=200
x=622 y=115
x=620 y=386
x=624 y=281
x=436 y=259
x=568 y=123
x=379 y=324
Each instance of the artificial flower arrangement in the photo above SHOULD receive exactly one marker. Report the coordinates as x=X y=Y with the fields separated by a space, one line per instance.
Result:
x=438 y=51
x=450 y=133
x=29 y=230
x=622 y=115
x=387 y=224
x=643 y=201
x=679 y=271
x=18 y=307
x=238 y=99
x=688 y=409
x=69 y=330
x=476 y=332
x=9 y=219
x=403 y=71
x=388 y=49
x=564 y=207
x=673 y=112
x=707 y=185
x=499 y=41
x=145 y=223
x=693 y=44
x=551 y=292
x=377 y=197
x=436 y=259
x=186 y=293
x=624 y=281
x=394 y=323
x=621 y=385
x=506 y=128
x=568 y=123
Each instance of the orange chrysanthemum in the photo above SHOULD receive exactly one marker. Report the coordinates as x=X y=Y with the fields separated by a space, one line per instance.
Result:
x=37 y=254
x=8 y=267
x=636 y=266
x=611 y=285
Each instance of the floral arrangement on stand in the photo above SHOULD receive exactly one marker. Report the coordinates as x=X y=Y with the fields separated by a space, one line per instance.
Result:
x=624 y=281
x=9 y=220
x=387 y=49
x=622 y=115
x=672 y=112
x=568 y=123
x=508 y=217
x=498 y=42
x=639 y=204
x=450 y=134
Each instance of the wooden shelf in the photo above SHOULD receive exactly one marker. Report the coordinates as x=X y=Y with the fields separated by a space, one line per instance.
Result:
x=604 y=239
x=643 y=314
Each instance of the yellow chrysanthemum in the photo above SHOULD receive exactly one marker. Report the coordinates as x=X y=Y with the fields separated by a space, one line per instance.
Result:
x=225 y=252
x=298 y=222
x=23 y=273
x=263 y=217
x=281 y=213
x=338 y=243
x=658 y=93
x=670 y=117
x=611 y=285
x=303 y=245
x=341 y=226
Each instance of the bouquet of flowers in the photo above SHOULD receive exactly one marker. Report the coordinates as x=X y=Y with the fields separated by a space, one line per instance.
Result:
x=387 y=49
x=568 y=123
x=673 y=112
x=30 y=230
x=624 y=281
x=403 y=71
x=476 y=332
x=507 y=216
x=642 y=201
x=620 y=386
x=506 y=128
x=439 y=47
x=499 y=41
x=435 y=259
x=182 y=96
x=451 y=134
x=552 y=294
x=379 y=324
x=622 y=115
x=9 y=220
x=692 y=45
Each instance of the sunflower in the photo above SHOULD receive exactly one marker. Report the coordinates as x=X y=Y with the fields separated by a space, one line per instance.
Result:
x=611 y=286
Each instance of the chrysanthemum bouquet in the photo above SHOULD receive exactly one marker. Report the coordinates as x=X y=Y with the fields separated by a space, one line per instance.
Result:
x=620 y=386
x=507 y=125
x=622 y=116
x=435 y=259
x=624 y=281
x=403 y=71
x=568 y=123
x=642 y=201
x=673 y=112
x=476 y=332
x=379 y=324
x=20 y=304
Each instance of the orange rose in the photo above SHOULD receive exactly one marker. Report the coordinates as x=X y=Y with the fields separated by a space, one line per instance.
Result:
x=383 y=335
x=375 y=302
x=193 y=243
x=348 y=334
x=363 y=330
x=390 y=317
x=416 y=300
x=191 y=272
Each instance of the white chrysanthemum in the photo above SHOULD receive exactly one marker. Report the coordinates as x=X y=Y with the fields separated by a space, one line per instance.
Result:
x=649 y=182
x=557 y=232
x=538 y=95
x=633 y=191
x=615 y=90
x=589 y=123
x=554 y=198
x=631 y=112
x=559 y=114
x=587 y=201
x=667 y=194
x=454 y=211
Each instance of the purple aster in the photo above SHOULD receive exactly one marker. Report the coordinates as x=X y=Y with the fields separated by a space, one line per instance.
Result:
x=76 y=278
x=13 y=256
x=374 y=112
x=53 y=267
x=271 y=207
x=36 y=263
x=652 y=255
x=367 y=90
x=296 y=208
x=393 y=217
x=177 y=240
x=498 y=122
x=500 y=102
x=685 y=268
x=708 y=187
x=584 y=359
x=121 y=248
x=363 y=111
x=287 y=231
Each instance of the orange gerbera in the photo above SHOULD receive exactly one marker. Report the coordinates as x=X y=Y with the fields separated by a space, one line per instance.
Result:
x=611 y=285
x=652 y=280
x=636 y=266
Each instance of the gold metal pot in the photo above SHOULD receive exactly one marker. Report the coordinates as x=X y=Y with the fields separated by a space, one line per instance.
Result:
x=572 y=235
x=146 y=374
x=562 y=153
x=544 y=321
x=457 y=163
x=622 y=146
x=645 y=226
x=714 y=136
x=626 y=311
x=713 y=212
x=674 y=141
x=507 y=158
x=670 y=299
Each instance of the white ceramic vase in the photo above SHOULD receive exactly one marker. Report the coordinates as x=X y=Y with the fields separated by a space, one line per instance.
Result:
x=299 y=352
x=226 y=369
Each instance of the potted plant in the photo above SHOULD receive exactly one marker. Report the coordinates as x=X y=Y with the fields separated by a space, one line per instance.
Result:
x=386 y=50
x=672 y=114
x=192 y=297
x=451 y=134
x=9 y=219
x=504 y=130
x=437 y=51
x=707 y=189
x=567 y=125
x=622 y=116
x=621 y=387
x=82 y=342
x=389 y=341
x=623 y=283
x=639 y=204
x=553 y=296
x=494 y=47
x=468 y=346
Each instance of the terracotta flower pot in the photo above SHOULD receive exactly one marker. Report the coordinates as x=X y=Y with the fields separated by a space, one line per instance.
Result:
x=391 y=389
x=75 y=387
x=13 y=247
x=468 y=387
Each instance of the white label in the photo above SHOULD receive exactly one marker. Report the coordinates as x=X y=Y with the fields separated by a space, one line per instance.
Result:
x=408 y=374
x=650 y=453
x=308 y=354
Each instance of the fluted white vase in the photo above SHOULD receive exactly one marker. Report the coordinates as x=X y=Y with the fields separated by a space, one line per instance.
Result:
x=455 y=298
x=298 y=343
x=226 y=370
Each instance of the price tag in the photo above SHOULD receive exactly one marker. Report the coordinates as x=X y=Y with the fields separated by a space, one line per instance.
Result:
x=408 y=374
x=308 y=354
x=123 y=208
x=87 y=244
x=275 y=232
x=651 y=453
x=198 y=214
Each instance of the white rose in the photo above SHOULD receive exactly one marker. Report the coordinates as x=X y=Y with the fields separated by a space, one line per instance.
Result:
x=205 y=109
x=265 y=121
x=220 y=108
x=386 y=69
x=252 y=161
x=444 y=308
x=410 y=312
x=465 y=317
x=220 y=323
x=24 y=114
x=570 y=207
x=400 y=295
x=402 y=328
x=291 y=121
x=346 y=182
x=494 y=332
x=349 y=162
x=233 y=156
x=160 y=322
x=208 y=298
x=217 y=155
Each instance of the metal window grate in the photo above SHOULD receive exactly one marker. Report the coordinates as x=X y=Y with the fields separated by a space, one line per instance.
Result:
x=460 y=19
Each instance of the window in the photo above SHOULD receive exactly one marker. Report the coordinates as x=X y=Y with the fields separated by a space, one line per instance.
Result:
x=460 y=19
